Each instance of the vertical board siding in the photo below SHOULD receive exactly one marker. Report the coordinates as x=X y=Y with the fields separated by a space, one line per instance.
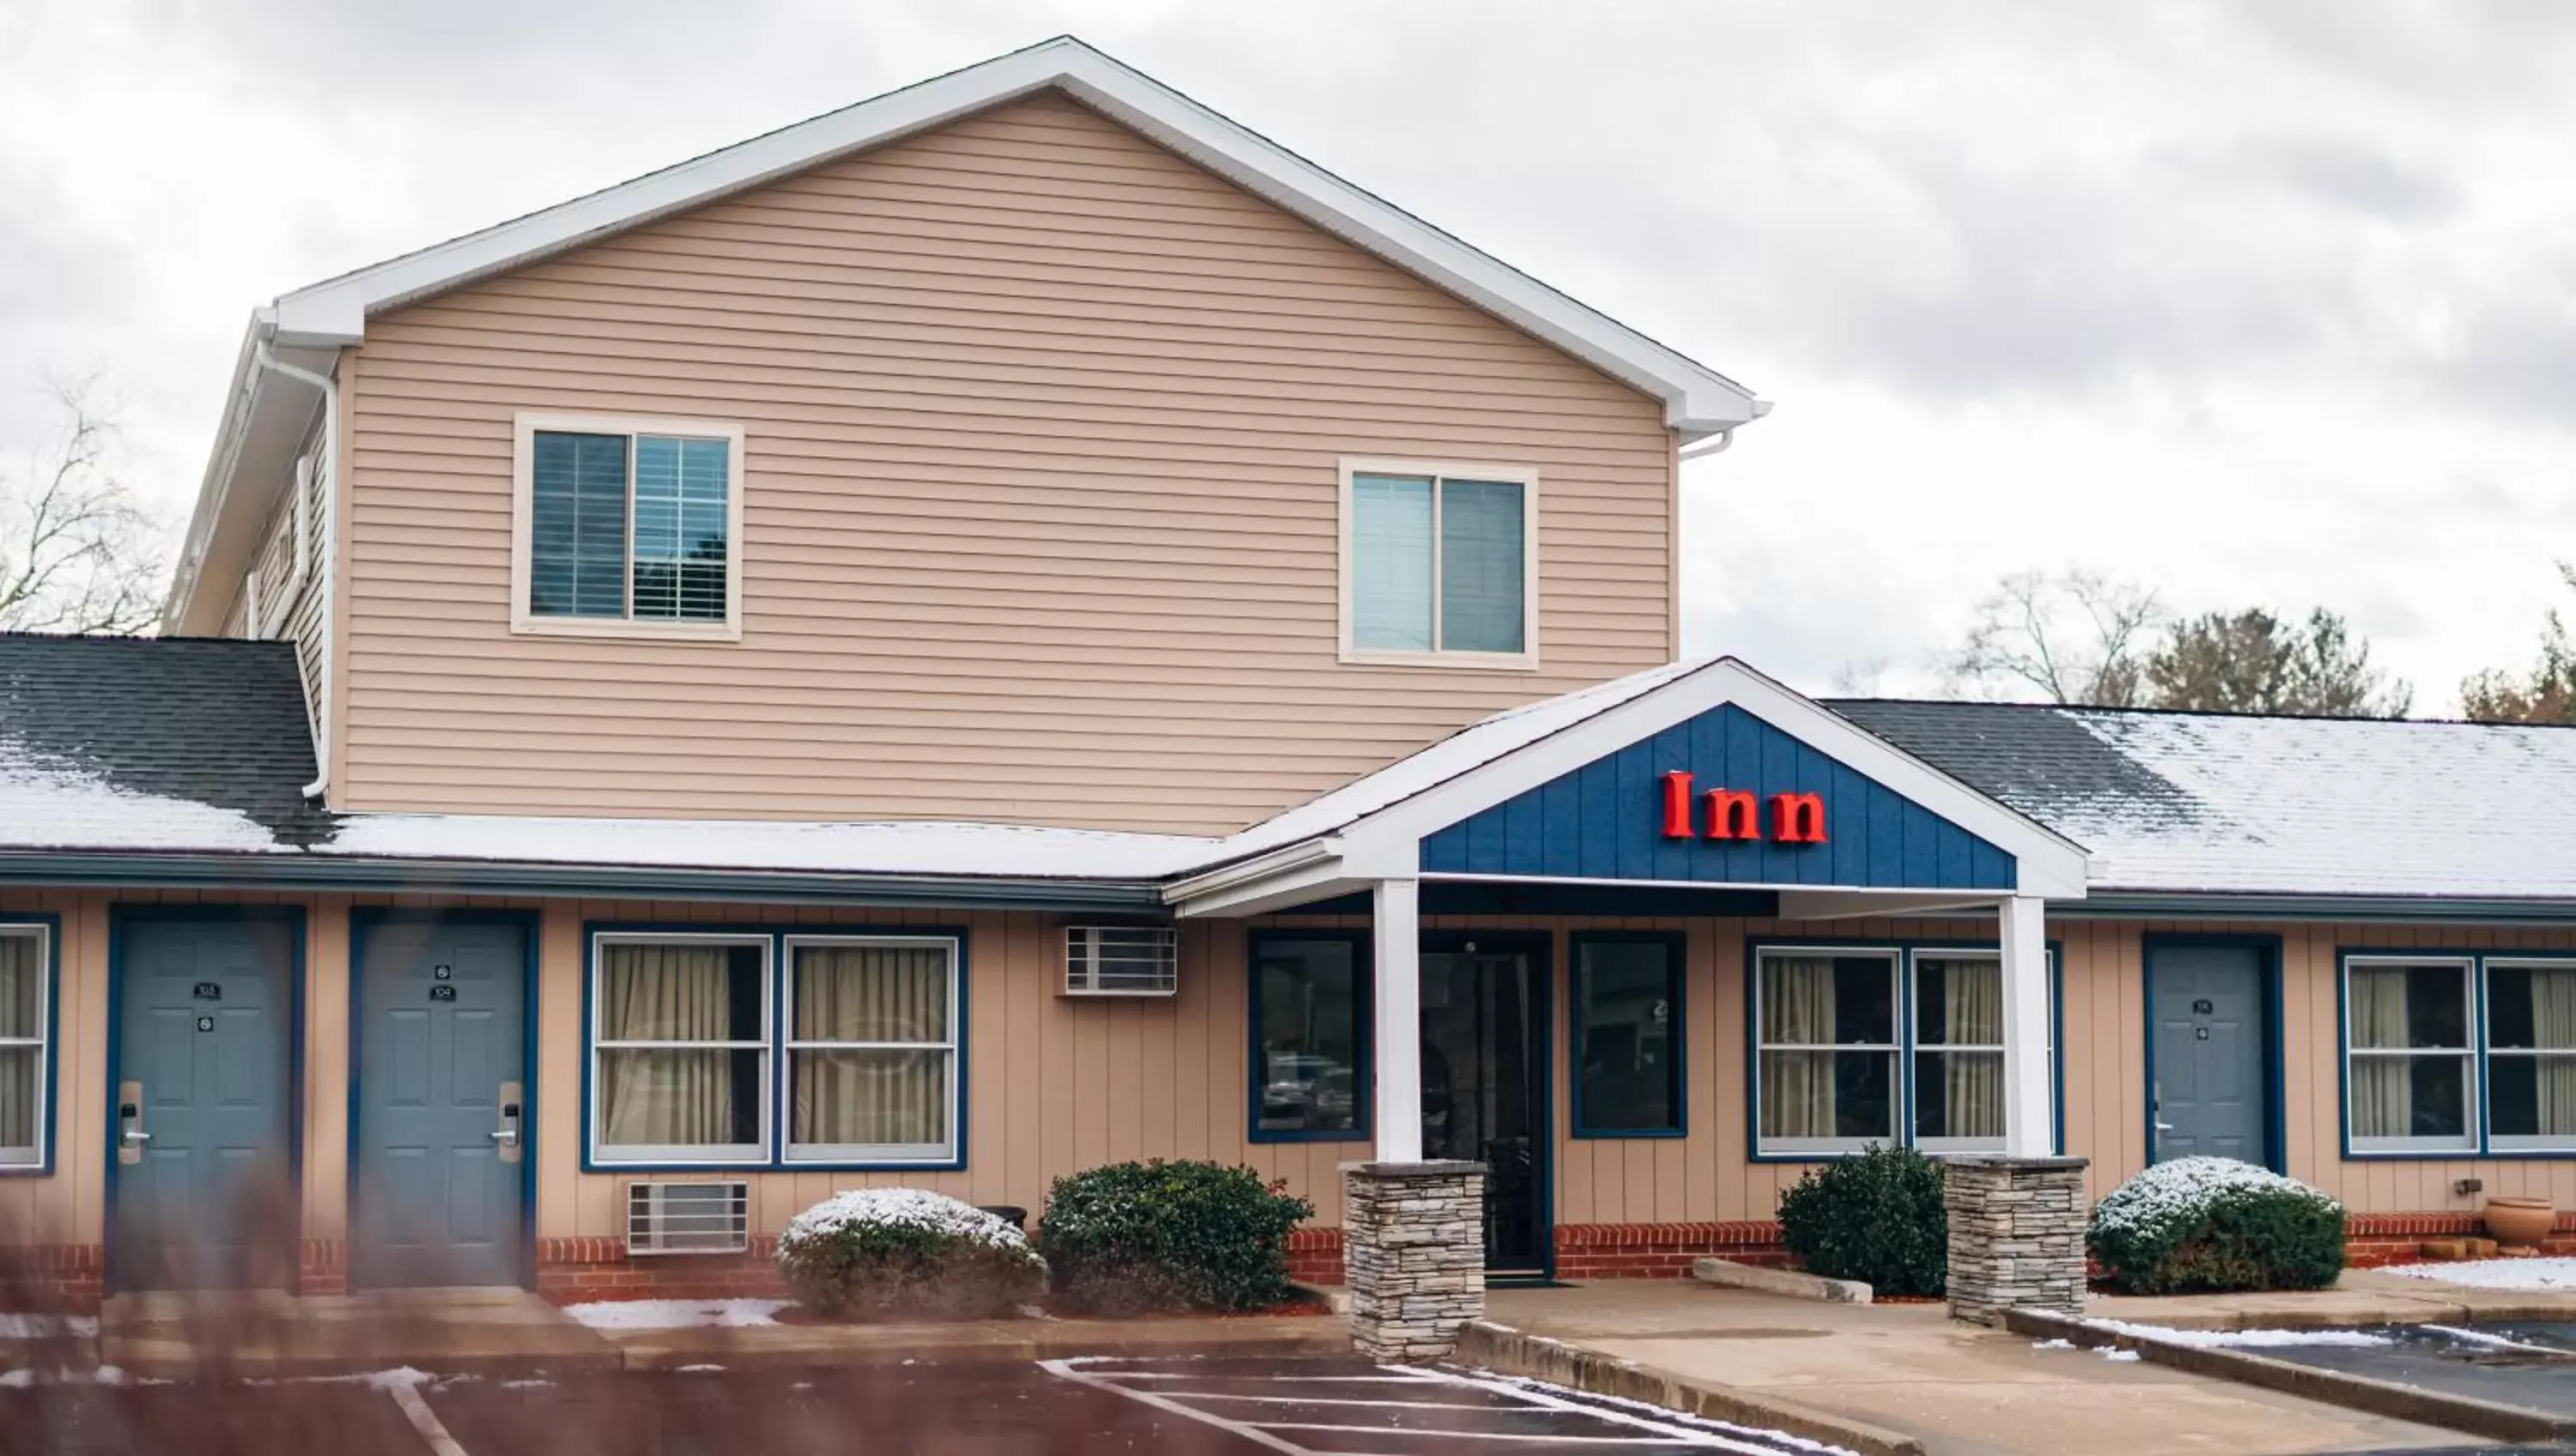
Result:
x=1040 y=500
x=1604 y=821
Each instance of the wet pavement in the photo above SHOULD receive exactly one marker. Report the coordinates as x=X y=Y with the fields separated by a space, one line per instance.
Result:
x=2527 y=1365
x=1090 y=1407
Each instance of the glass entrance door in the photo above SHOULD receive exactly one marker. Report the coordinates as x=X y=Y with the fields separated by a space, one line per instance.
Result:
x=1484 y=1088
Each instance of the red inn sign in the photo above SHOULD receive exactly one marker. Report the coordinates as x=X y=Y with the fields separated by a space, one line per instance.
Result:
x=1737 y=814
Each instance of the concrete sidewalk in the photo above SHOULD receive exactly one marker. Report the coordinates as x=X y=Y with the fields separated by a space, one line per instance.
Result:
x=1959 y=1389
x=2360 y=1297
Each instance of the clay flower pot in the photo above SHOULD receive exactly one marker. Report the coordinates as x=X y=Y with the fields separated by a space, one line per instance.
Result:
x=2520 y=1221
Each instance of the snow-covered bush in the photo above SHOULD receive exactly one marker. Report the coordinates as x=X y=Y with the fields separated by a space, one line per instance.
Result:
x=2204 y=1225
x=880 y=1252
x=1131 y=1237
x=1875 y=1216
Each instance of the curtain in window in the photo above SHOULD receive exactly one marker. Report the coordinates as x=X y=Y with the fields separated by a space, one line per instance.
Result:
x=1482 y=563
x=577 y=525
x=1972 y=1083
x=872 y=1096
x=2553 y=1026
x=1797 y=1086
x=21 y=1015
x=2382 y=1087
x=666 y=1096
x=1391 y=562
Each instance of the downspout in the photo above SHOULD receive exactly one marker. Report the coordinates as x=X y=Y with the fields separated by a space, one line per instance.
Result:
x=266 y=358
x=1706 y=448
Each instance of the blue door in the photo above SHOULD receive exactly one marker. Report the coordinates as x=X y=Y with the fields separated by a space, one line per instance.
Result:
x=441 y=1102
x=2210 y=1096
x=201 y=1176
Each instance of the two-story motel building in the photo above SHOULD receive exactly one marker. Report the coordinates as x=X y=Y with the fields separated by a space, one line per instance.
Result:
x=1020 y=624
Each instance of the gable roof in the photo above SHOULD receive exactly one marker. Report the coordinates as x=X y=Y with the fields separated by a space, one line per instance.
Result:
x=304 y=328
x=2209 y=803
x=142 y=743
x=1698 y=400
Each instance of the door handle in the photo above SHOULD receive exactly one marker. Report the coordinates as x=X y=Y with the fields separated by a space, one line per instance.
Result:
x=130 y=1136
x=510 y=1103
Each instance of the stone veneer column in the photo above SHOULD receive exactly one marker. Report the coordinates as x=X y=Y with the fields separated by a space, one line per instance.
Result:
x=2016 y=1235
x=1413 y=1255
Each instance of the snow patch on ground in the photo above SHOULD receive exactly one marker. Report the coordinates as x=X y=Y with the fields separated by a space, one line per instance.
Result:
x=676 y=1314
x=48 y=1326
x=2120 y=1357
x=2550 y=1273
x=2241 y=1339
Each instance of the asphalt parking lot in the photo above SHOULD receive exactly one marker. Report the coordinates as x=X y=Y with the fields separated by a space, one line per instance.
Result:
x=1211 y=1407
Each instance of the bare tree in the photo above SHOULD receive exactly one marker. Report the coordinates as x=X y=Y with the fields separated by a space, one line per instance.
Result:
x=78 y=551
x=2547 y=695
x=2255 y=662
x=2074 y=637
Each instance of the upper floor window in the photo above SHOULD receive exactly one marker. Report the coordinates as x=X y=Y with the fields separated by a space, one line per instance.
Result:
x=627 y=526
x=1439 y=564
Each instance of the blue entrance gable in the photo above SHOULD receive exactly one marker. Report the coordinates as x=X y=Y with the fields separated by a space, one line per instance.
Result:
x=1606 y=821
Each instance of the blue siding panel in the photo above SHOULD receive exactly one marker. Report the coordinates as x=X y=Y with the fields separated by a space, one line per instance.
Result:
x=1605 y=821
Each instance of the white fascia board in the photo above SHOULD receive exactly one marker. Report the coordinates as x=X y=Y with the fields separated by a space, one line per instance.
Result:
x=1807 y=903
x=2049 y=864
x=240 y=395
x=1698 y=401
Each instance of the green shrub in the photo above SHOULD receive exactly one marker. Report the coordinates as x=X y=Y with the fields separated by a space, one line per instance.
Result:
x=2209 y=1225
x=1132 y=1237
x=881 y=1253
x=1873 y=1215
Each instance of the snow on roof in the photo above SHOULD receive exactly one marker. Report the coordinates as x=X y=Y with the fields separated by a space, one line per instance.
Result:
x=2242 y=804
x=49 y=802
x=905 y=847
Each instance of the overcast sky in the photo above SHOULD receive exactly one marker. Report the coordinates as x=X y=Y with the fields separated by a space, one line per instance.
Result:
x=2254 y=302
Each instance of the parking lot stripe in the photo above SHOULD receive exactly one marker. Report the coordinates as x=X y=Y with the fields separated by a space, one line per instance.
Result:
x=1338 y=1400
x=1472 y=1435
x=424 y=1420
x=1067 y=1370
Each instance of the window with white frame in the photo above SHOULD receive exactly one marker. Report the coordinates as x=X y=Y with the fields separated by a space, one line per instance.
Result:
x=1439 y=563
x=1840 y=1068
x=872 y=1073
x=1827 y=1054
x=2410 y=1056
x=25 y=1057
x=627 y=525
x=2531 y=1055
x=680 y=1047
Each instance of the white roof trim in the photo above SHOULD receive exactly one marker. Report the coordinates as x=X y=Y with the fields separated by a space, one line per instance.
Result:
x=1386 y=842
x=1698 y=401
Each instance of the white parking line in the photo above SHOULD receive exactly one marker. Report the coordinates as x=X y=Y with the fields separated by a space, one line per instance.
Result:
x=424 y=1420
x=1102 y=1373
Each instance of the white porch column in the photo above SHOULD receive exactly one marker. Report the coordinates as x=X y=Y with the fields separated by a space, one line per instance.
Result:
x=1396 y=1031
x=2028 y=1101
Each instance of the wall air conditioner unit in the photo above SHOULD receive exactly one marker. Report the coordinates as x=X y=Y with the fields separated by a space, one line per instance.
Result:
x=688 y=1218
x=1121 y=960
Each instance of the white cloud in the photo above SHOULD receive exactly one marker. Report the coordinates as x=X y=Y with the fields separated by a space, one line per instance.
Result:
x=2259 y=303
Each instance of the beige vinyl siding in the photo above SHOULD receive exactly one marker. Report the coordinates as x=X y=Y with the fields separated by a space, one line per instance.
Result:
x=1042 y=431
x=306 y=622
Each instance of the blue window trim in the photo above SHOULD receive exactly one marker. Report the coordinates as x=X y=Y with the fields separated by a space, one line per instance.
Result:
x=363 y=918
x=2276 y=1125
x=49 y=1077
x=1906 y=950
x=1677 y=982
x=2477 y=962
x=1363 y=1035
x=773 y=1152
